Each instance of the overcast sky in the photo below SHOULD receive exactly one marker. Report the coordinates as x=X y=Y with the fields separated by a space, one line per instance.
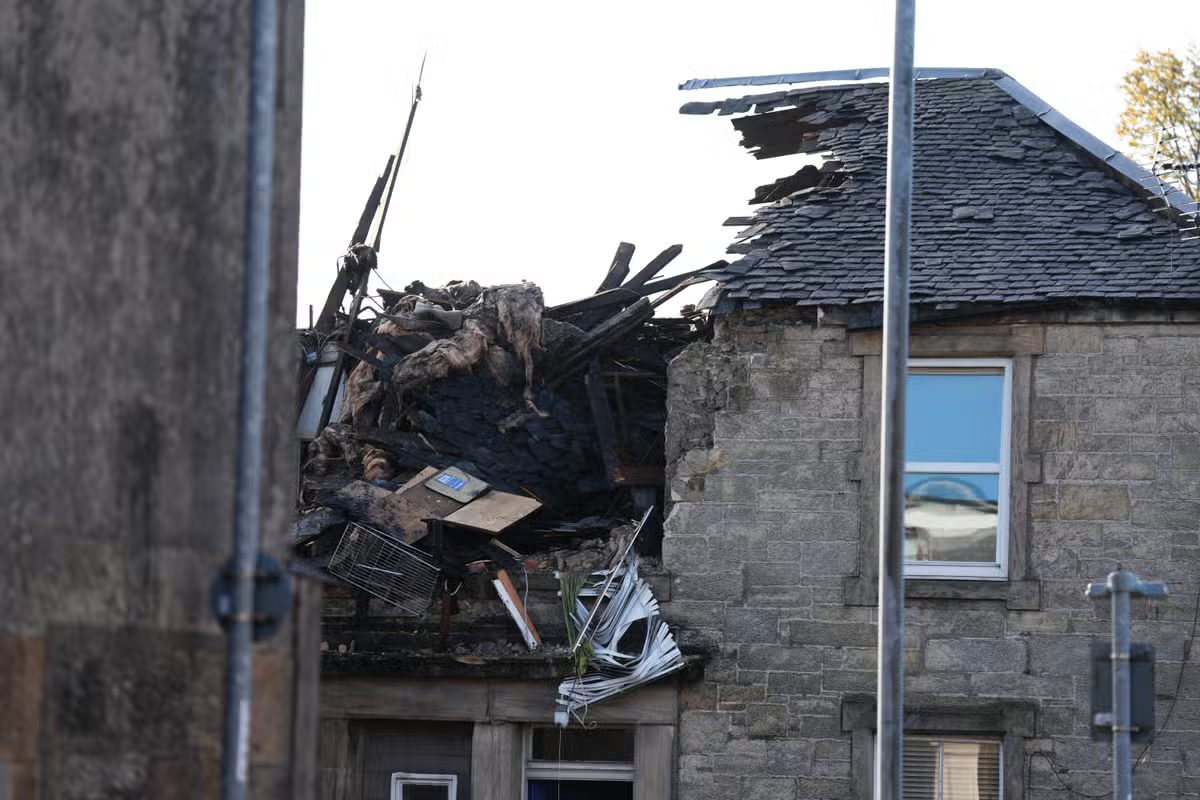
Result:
x=549 y=132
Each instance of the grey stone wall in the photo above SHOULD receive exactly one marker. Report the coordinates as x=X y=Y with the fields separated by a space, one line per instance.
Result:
x=121 y=204
x=764 y=538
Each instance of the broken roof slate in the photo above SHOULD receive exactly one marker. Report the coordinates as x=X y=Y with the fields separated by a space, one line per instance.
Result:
x=1006 y=206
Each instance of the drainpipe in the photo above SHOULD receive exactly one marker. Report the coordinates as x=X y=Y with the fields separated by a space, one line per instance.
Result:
x=890 y=687
x=235 y=766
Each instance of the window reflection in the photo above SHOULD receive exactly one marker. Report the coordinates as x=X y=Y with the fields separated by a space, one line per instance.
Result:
x=954 y=417
x=950 y=517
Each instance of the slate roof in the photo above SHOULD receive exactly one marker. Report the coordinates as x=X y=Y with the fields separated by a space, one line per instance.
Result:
x=1006 y=209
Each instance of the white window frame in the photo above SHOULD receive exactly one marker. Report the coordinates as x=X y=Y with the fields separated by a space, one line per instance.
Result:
x=402 y=779
x=616 y=771
x=958 y=570
x=999 y=743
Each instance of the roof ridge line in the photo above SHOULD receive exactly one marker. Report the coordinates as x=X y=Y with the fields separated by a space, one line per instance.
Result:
x=1125 y=167
x=863 y=74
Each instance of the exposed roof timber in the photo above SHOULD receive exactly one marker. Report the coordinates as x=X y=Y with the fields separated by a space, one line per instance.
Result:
x=870 y=73
x=1120 y=164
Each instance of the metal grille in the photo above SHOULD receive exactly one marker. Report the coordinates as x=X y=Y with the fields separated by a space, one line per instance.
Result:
x=385 y=567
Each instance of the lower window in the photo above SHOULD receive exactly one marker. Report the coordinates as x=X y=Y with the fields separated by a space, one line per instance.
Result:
x=579 y=763
x=419 y=786
x=939 y=768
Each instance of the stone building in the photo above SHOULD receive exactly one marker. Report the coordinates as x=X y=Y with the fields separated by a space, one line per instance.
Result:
x=1053 y=432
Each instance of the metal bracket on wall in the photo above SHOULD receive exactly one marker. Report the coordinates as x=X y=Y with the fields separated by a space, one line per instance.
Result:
x=272 y=596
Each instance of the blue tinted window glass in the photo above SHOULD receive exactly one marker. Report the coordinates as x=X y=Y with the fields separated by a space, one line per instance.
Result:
x=954 y=417
x=950 y=517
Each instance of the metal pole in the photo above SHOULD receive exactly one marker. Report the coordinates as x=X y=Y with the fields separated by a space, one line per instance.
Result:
x=1120 y=584
x=235 y=766
x=889 y=745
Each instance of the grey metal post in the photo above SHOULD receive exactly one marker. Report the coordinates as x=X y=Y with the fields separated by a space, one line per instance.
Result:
x=235 y=764
x=1120 y=586
x=889 y=747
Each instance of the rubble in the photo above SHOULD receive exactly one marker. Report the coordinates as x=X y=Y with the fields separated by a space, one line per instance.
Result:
x=472 y=431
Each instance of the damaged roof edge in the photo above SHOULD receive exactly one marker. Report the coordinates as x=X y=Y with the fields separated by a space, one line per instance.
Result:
x=1121 y=165
x=869 y=73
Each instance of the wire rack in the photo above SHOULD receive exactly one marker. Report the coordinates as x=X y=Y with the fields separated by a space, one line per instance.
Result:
x=386 y=568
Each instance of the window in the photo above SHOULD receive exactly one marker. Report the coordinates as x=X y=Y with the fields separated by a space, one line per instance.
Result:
x=579 y=763
x=418 y=786
x=951 y=769
x=956 y=475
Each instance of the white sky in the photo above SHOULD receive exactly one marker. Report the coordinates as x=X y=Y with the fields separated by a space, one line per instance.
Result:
x=549 y=131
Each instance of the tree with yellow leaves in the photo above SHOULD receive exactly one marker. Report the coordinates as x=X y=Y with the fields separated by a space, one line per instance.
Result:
x=1162 y=99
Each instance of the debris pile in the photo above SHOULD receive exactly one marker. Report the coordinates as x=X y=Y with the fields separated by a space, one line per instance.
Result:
x=464 y=439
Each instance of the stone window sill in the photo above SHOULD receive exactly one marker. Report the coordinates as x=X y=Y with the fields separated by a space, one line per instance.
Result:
x=1017 y=595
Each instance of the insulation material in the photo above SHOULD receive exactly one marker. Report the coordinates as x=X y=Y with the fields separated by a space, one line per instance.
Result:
x=616 y=666
x=519 y=309
x=456 y=355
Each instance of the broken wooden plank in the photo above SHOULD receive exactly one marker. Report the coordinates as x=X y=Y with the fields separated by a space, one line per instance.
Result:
x=666 y=296
x=419 y=478
x=604 y=336
x=666 y=284
x=404 y=512
x=516 y=609
x=612 y=297
x=494 y=512
x=619 y=268
x=655 y=266
x=355 y=353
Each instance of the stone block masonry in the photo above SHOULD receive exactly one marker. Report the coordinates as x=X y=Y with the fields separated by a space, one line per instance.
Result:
x=767 y=522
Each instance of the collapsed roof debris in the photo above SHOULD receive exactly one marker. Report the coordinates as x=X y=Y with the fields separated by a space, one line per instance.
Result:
x=467 y=445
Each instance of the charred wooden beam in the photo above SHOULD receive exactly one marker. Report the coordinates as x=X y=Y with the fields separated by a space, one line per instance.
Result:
x=605 y=335
x=613 y=297
x=619 y=268
x=432 y=450
x=655 y=266
x=666 y=284
x=354 y=352
x=606 y=432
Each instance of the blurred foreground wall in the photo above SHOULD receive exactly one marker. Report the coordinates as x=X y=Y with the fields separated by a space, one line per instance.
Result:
x=122 y=140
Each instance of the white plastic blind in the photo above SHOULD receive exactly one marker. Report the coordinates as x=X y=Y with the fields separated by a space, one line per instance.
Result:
x=951 y=769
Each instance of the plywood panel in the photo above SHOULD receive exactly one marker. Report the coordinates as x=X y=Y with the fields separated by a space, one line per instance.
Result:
x=494 y=512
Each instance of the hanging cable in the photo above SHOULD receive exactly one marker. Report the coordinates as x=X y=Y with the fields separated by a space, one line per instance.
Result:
x=1178 y=684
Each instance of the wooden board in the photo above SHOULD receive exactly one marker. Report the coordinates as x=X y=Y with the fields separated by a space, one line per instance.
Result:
x=419 y=478
x=404 y=511
x=494 y=512
x=516 y=609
